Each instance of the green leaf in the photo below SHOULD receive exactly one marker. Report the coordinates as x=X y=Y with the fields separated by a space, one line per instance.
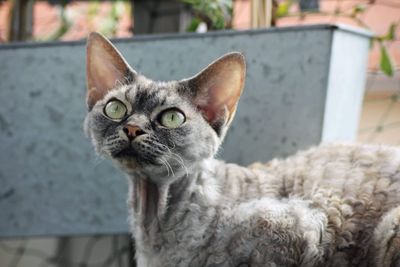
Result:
x=283 y=8
x=391 y=35
x=386 y=63
x=216 y=13
x=94 y=7
x=360 y=8
x=193 y=25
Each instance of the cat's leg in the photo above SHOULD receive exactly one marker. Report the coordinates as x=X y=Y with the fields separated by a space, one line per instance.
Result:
x=386 y=241
x=279 y=233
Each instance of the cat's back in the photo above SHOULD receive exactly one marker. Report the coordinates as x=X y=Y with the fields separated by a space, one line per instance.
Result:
x=345 y=171
x=348 y=172
x=358 y=188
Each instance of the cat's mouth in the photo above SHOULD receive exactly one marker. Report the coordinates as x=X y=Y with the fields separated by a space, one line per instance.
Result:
x=127 y=152
x=136 y=154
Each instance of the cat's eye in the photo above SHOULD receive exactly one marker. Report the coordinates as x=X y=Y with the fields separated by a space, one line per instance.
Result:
x=115 y=110
x=172 y=118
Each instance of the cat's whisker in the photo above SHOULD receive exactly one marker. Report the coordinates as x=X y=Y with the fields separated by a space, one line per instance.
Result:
x=173 y=174
x=169 y=149
x=113 y=137
x=166 y=166
x=97 y=160
x=118 y=83
x=172 y=155
x=165 y=161
x=159 y=146
x=180 y=161
x=164 y=146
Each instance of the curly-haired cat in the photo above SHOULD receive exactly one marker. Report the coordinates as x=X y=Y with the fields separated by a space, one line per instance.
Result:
x=334 y=205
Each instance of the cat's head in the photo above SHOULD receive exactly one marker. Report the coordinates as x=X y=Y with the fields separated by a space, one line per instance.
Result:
x=153 y=127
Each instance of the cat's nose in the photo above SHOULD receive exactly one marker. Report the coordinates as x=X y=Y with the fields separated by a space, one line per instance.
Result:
x=132 y=131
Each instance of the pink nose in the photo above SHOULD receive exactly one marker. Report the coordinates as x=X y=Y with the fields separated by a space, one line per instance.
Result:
x=132 y=131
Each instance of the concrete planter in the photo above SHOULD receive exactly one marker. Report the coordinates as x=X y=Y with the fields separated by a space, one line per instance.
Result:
x=304 y=85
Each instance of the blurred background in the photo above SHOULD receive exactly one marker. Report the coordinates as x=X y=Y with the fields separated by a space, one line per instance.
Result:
x=58 y=20
x=63 y=20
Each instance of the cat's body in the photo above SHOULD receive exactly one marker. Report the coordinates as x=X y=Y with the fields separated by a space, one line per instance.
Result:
x=335 y=205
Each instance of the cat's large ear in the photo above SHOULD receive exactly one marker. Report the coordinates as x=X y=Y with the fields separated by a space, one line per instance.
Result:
x=216 y=89
x=105 y=68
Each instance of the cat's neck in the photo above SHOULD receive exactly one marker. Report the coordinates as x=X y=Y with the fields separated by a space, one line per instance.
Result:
x=155 y=199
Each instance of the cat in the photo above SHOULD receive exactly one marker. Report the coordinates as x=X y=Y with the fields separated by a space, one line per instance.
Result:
x=332 y=205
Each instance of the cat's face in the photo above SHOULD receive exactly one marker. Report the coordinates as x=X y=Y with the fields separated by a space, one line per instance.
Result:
x=158 y=128
x=149 y=125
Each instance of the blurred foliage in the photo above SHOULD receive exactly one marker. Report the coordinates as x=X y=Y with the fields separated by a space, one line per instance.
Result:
x=216 y=14
x=387 y=64
x=65 y=25
x=358 y=9
x=284 y=8
x=194 y=24
x=108 y=25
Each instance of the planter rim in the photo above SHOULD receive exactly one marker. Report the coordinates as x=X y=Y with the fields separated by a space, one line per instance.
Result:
x=146 y=37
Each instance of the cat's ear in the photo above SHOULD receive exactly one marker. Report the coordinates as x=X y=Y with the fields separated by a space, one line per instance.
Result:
x=216 y=89
x=105 y=68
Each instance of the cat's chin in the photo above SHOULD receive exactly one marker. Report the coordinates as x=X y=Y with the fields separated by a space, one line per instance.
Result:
x=157 y=172
x=132 y=164
x=127 y=165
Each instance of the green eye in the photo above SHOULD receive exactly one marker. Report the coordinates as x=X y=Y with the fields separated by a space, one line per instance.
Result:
x=172 y=118
x=115 y=110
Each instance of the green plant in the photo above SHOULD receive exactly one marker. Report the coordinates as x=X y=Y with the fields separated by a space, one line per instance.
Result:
x=217 y=14
x=65 y=25
x=110 y=23
x=386 y=64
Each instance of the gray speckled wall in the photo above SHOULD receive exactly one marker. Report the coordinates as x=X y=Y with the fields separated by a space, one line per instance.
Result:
x=51 y=183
